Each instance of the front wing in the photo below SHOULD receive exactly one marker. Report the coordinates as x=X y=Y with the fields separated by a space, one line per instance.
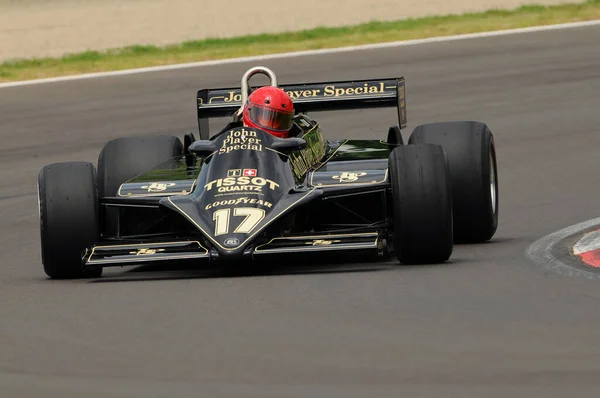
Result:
x=116 y=255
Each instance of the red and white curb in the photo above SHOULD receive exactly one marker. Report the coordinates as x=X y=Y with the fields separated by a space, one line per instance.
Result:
x=588 y=248
x=550 y=253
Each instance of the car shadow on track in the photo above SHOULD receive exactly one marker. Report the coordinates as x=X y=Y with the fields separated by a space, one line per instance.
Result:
x=156 y=272
x=331 y=266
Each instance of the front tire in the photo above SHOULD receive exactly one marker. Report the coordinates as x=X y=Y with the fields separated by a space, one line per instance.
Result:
x=422 y=204
x=69 y=218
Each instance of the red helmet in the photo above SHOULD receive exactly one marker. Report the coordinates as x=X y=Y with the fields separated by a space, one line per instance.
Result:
x=270 y=109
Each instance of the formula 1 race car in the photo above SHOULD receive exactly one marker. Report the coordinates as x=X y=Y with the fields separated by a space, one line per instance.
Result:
x=242 y=194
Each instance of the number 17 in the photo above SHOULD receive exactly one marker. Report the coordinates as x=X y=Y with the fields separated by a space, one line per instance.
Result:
x=253 y=217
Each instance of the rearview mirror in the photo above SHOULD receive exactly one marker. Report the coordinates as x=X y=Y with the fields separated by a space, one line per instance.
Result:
x=202 y=148
x=287 y=145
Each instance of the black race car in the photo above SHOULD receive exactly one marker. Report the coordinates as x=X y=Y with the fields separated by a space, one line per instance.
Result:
x=243 y=195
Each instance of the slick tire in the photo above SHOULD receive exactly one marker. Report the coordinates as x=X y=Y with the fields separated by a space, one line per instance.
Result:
x=69 y=218
x=421 y=204
x=474 y=175
x=123 y=158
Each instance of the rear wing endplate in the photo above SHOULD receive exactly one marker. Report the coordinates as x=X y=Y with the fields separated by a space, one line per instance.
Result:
x=312 y=97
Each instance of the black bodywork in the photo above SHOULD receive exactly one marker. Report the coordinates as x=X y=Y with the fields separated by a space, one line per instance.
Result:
x=243 y=194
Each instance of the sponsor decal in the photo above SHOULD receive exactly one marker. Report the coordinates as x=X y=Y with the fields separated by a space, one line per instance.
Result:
x=304 y=160
x=333 y=91
x=241 y=139
x=234 y=173
x=145 y=252
x=246 y=184
x=157 y=186
x=149 y=188
x=239 y=201
x=249 y=172
x=230 y=242
x=402 y=103
x=349 y=89
x=348 y=176
x=322 y=242
x=337 y=178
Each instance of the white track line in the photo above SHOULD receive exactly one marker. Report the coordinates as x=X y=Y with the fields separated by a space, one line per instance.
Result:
x=541 y=251
x=305 y=53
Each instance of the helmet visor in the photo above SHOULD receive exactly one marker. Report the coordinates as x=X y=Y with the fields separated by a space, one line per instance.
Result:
x=271 y=119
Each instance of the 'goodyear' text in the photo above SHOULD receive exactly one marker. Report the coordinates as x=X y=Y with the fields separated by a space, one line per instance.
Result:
x=240 y=201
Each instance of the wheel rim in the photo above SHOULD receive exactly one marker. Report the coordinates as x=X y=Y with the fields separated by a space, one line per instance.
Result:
x=39 y=202
x=493 y=190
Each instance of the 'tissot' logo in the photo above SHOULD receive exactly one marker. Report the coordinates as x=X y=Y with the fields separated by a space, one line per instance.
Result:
x=243 y=183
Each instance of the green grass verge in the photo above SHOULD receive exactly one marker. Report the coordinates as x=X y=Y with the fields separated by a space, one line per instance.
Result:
x=319 y=38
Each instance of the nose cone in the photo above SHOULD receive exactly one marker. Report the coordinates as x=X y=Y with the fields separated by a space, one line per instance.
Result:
x=244 y=185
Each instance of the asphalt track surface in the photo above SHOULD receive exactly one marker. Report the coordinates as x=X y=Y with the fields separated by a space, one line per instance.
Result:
x=490 y=322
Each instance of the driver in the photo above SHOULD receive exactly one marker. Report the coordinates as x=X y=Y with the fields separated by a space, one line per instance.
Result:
x=269 y=109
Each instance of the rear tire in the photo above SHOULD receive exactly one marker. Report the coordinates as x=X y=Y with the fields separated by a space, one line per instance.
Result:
x=472 y=158
x=422 y=204
x=123 y=158
x=69 y=220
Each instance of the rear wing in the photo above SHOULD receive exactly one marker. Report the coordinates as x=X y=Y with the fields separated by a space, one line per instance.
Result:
x=311 y=97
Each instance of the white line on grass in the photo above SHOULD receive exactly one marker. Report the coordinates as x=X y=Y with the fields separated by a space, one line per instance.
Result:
x=305 y=53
